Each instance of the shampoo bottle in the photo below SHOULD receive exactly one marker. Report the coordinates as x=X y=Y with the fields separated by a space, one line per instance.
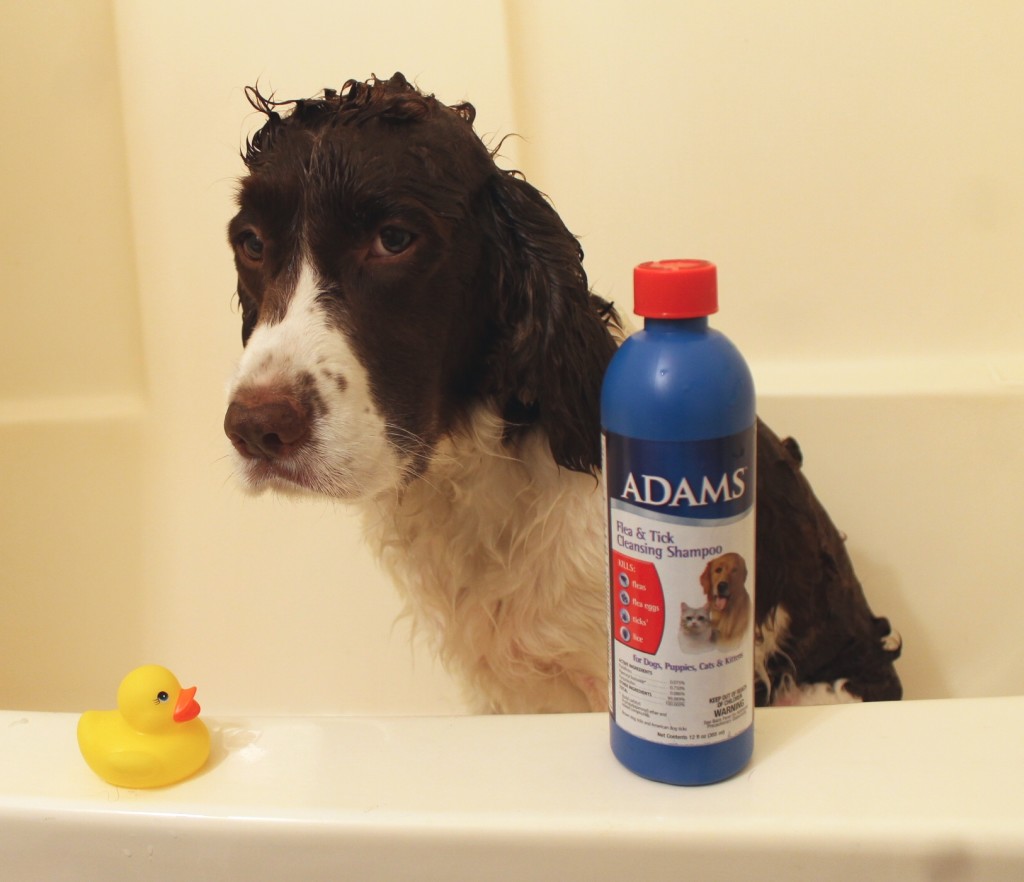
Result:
x=678 y=423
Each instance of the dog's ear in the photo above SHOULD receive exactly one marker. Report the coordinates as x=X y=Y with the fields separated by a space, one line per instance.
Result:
x=705 y=579
x=555 y=338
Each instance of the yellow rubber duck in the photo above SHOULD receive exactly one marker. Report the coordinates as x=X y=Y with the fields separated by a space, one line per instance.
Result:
x=153 y=738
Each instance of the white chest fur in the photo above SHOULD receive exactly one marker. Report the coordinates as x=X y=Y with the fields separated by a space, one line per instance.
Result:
x=499 y=558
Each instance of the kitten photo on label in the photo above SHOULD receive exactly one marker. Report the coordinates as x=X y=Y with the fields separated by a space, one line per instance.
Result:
x=696 y=634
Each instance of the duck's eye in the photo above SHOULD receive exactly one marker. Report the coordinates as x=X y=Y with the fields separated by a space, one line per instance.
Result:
x=162 y=696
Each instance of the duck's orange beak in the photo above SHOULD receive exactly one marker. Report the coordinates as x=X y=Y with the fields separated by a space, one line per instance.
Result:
x=187 y=707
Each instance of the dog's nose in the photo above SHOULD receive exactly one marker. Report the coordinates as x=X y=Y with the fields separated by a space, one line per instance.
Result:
x=722 y=589
x=269 y=429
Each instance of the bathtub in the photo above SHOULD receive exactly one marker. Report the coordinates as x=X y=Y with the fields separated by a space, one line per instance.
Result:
x=401 y=787
x=885 y=791
x=341 y=749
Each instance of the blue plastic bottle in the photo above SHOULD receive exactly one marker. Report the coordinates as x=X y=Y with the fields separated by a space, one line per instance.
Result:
x=678 y=420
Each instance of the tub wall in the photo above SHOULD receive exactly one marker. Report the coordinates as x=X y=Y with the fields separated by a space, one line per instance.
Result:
x=73 y=387
x=853 y=168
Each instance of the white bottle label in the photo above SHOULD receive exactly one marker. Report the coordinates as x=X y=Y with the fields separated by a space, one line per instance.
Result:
x=681 y=600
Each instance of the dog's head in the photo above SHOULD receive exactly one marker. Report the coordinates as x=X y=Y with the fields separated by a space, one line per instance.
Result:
x=391 y=279
x=723 y=579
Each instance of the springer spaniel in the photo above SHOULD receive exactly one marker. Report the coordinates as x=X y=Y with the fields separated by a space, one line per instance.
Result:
x=420 y=341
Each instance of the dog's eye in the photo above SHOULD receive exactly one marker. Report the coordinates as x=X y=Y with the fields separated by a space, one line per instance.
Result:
x=391 y=241
x=251 y=246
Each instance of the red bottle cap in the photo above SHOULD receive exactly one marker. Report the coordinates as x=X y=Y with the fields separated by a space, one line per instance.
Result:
x=675 y=289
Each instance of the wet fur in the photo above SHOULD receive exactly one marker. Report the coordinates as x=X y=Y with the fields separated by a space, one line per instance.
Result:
x=451 y=391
